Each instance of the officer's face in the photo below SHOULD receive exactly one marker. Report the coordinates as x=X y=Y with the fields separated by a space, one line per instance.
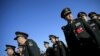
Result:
x=21 y=40
x=46 y=45
x=94 y=17
x=69 y=17
x=53 y=40
x=10 y=51
x=84 y=18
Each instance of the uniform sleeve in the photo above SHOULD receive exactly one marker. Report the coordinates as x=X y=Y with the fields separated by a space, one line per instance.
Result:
x=62 y=48
x=65 y=31
x=32 y=48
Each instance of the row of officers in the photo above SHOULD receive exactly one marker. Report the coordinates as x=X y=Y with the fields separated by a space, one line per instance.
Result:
x=82 y=37
x=28 y=47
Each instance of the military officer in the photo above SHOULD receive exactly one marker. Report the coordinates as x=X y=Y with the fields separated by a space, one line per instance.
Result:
x=58 y=47
x=30 y=46
x=70 y=38
x=11 y=50
x=93 y=16
x=82 y=15
x=49 y=50
x=65 y=47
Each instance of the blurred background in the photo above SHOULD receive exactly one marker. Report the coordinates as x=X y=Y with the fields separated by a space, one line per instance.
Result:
x=38 y=18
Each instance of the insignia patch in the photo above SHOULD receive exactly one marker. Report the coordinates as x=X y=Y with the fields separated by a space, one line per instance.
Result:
x=78 y=24
x=30 y=44
x=92 y=24
x=55 y=45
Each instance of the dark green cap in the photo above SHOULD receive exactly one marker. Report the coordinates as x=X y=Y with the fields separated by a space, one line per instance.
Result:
x=45 y=42
x=52 y=36
x=65 y=12
x=91 y=14
x=18 y=34
x=80 y=14
x=10 y=47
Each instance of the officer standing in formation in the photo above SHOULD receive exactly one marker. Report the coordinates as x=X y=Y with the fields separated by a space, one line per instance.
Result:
x=95 y=25
x=30 y=47
x=58 y=47
x=49 y=50
x=64 y=46
x=10 y=49
x=71 y=40
x=94 y=17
